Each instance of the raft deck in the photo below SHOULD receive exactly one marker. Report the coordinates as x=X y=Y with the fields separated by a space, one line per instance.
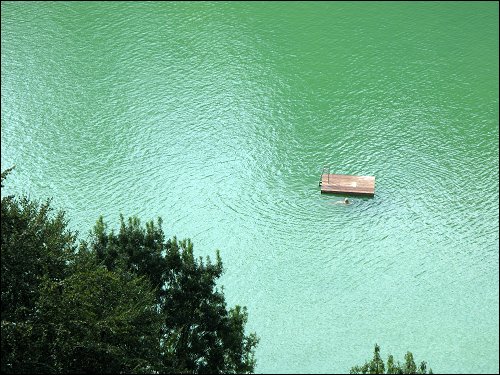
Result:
x=346 y=184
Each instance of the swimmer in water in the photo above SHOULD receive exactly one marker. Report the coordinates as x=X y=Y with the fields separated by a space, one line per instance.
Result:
x=345 y=201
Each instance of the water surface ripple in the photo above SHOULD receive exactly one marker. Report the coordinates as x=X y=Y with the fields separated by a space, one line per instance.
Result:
x=219 y=117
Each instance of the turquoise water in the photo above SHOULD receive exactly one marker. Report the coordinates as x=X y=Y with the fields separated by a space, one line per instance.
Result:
x=220 y=116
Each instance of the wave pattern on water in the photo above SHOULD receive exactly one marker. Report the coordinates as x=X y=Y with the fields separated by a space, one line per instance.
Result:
x=219 y=117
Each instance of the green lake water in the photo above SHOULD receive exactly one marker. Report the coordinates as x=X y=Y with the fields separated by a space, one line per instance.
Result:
x=220 y=116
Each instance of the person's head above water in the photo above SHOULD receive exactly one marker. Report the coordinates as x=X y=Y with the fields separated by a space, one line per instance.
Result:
x=346 y=201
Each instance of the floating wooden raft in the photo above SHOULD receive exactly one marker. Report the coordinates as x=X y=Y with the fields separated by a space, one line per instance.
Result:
x=346 y=184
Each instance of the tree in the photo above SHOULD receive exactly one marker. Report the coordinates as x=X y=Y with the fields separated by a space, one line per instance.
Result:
x=98 y=321
x=199 y=334
x=123 y=303
x=376 y=365
x=35 y=246
x=62 y=312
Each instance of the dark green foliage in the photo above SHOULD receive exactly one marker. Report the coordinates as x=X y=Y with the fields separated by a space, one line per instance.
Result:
x=99 y=321
x=376 y=365
x=199 y=334
x=5 y=174
x=35 y=243
x=129 y=302
x=35 y=246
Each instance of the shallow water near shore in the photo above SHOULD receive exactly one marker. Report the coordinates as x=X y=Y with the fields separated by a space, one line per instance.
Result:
x=219 y=117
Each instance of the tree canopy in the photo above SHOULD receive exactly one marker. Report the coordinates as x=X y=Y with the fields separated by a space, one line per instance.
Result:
x=125 y=302
x=199 y=333
x=377 y=366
